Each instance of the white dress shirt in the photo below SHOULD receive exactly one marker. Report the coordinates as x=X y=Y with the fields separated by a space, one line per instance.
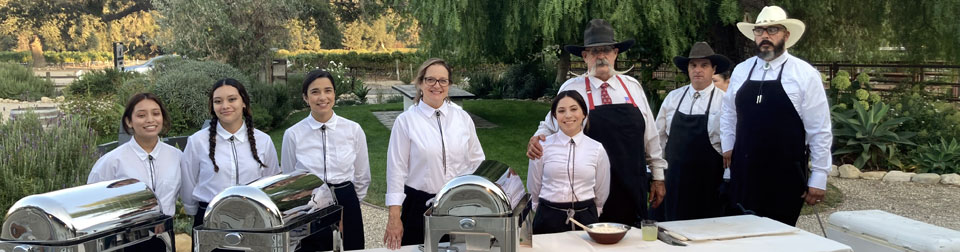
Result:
x=201 y=183
x=415 y=154
x=131 y=161
x=654 y=152
x=692 y=106
x=550 y=176
x=803 y=85
x=346 y=151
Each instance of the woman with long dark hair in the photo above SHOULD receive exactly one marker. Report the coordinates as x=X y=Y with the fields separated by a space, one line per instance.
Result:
x=229 y=152
x=572 y=179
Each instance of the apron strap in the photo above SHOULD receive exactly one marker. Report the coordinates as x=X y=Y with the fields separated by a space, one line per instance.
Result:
x=590 y=92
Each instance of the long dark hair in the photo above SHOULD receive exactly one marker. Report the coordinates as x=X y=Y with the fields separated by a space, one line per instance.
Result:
x=136 y=99
x=247 y=118
x=314 y=75
x=576 y=97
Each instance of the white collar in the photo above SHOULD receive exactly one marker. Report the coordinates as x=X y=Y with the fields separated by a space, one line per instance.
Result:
x=429 y=111
x=596 y=82
x=705 y=90
x=563 y=138
x=241 y=134
x=141 y=153
x=314 y=124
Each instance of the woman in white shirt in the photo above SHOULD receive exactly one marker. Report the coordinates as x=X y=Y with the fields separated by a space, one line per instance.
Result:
x=430 y=143
x=144 y=157
x=572 y=179
x=227 y=153
x=335 y=149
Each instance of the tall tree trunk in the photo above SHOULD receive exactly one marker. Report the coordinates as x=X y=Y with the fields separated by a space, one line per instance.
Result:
x=36 y=49
x=563 y=66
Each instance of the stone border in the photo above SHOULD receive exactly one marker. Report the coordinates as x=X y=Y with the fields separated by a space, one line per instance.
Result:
x=849 y=171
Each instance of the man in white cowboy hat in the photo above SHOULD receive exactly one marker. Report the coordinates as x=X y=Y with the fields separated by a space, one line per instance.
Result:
x=689 y=127
x=775 y=122
x=619 y=118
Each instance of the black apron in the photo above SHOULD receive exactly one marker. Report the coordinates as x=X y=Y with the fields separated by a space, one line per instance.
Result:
x=411 y=214
x=769 y=165
x=198 y=220
x=620 y=128
x=552 y=217
x=346 y=196
x=696 y=169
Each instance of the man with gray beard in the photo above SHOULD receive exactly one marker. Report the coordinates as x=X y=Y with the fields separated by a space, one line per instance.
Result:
x=619 y=118
x=775 y=123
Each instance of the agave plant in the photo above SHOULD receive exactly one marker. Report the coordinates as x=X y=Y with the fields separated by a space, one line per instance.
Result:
x=938 y=158
x=869 y=135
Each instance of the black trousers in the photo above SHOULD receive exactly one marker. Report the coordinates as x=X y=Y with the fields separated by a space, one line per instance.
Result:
x=414 y=205
x=198 y=220
x=154 y=244
x=552 y=217
x=352 y=234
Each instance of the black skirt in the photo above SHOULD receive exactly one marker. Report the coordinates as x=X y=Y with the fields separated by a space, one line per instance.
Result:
x=353 y=238
x=552 y=217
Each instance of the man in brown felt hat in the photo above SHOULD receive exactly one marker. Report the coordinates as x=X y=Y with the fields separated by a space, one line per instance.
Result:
x=776 y=124
x=689 y=129
x=619 y=118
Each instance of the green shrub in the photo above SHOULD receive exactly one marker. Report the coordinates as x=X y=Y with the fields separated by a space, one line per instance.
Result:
x=308 y=60
x=100 y=82
x=184 y=86
x=528 y=80
x=274 y=103
x=294 y=85
x=101 y=112
x=16 y=57
x=480 y=84
x=360 y=90
x=36 y=160
x=940 y=158
x=18 y=82
x=933 y=117
x=869 y=136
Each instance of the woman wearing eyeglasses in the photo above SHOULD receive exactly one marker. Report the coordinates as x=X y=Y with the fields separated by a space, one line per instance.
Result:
x=431 y=142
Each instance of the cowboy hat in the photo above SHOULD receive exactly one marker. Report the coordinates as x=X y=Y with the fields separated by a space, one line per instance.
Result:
x=774 y=15
x=598 y=33
x=702 y=50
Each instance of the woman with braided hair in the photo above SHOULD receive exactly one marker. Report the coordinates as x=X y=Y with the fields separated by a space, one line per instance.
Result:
x=228 y=152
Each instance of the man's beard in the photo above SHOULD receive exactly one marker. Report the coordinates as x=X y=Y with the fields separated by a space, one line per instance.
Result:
x=592 y=71
x=770 y=55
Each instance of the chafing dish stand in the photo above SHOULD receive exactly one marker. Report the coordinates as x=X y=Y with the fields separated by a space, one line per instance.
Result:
x=104 y=216
x=271 y=214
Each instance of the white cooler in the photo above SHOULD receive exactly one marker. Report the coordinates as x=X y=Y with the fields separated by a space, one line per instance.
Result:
x=879 y=231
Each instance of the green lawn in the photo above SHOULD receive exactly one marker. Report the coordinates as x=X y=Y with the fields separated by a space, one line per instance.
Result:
x=516 y=120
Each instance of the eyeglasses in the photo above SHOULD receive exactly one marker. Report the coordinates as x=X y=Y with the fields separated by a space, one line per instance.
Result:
x=772 y=30
x=598 y=50
x=432 y=81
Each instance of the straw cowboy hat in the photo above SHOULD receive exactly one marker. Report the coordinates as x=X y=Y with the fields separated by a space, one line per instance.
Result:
x=598 y=33
x=702 y=50
x=774 y=15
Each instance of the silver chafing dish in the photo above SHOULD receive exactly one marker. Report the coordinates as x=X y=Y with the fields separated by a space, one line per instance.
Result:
x=477 y=213
x=271 y=214
x=105 y=216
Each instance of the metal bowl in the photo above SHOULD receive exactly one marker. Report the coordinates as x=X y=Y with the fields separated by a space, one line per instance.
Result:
x=471 y=195
x=608 y=237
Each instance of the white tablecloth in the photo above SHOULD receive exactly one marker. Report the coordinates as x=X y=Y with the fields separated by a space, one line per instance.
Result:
x=799 y=241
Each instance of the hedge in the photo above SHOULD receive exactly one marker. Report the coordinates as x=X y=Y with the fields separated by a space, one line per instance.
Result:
x=308 y=60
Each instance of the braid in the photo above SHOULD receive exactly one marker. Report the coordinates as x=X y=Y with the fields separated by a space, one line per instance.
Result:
x=253 y=139
x=213 y=143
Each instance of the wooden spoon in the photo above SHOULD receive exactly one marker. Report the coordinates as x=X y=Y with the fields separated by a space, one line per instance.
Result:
x=578 y=224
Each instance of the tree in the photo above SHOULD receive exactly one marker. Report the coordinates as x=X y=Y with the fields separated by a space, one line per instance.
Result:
x=475 y=31
x=240 y=33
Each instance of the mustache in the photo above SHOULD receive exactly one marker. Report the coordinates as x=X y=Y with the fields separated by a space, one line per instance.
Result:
x=602 y=62
x=766 y=42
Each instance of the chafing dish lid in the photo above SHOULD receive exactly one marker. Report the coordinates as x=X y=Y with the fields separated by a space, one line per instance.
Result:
x=77 y=212
x=267 y=203
x=471 y=195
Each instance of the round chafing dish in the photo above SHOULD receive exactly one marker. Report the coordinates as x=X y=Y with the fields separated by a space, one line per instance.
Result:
x=94 y=217
x=265 y=204
x=471 y=195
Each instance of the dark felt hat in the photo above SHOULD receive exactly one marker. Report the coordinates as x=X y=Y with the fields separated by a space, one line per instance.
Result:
x=702 y=50
x=598 y=33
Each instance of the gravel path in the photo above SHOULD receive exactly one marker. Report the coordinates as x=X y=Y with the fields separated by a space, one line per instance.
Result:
x=935 y=204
